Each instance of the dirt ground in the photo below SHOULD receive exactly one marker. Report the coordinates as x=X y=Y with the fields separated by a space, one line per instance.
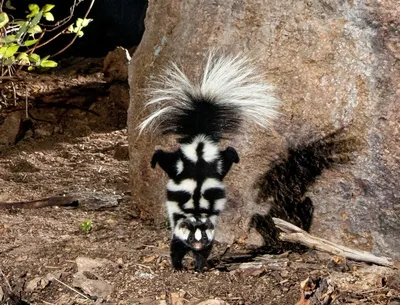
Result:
x=78 y=148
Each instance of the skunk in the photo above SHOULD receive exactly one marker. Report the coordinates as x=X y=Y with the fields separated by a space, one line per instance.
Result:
x=200 y=114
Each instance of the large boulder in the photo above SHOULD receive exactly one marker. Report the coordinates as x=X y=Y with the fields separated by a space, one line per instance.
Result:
x=334 y=150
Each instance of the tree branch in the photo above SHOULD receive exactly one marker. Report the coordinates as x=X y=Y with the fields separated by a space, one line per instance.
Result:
x=40 y=203
x=294 y=234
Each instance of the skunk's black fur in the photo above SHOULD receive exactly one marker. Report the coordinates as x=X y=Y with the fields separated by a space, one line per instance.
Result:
x=201 y=114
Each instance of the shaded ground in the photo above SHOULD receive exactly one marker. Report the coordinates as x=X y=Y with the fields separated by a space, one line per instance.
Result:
x=79 y=153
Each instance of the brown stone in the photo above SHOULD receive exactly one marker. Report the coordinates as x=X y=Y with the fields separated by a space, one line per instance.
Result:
x=10 y=128
x=334 y=66
x=116 y=65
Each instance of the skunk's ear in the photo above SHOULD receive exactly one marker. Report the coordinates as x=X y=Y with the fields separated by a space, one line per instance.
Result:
x=232 y=154
x=167 y=162
x=158 y=154
x=228 y=157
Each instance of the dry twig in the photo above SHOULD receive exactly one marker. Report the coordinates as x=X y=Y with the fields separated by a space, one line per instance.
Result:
x=40 y=203
x=294 y=234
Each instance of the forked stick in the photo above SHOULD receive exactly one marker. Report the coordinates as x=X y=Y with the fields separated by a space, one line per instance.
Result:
x=294 y=234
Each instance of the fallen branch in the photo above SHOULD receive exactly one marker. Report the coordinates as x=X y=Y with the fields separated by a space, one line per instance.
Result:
x=294 y=234
x=40 y=203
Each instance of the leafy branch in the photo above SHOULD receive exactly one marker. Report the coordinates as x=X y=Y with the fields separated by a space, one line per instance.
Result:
x=19 y=39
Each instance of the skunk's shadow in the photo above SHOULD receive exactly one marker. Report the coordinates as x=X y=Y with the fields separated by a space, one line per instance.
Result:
x=286 y=182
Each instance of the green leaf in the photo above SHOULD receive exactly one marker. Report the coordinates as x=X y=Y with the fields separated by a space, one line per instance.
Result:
x=31 y=42
x=3 y=19
x=22 y=55
x=22 y=30
x=30 y=68
x=7 y=39
x=9 y=6
x=34 y=30
x=48 y=8
x=2 y=51
x=20 y=22
x=80 y=34
x=86 y=21
x=10 y=50
x=30 y=15
x=9 y=61
x=48 y=64
x=86 y=226
x=48 y=16
x=71 y=28
x=34 y=8
x=23 y=58
x=37 y=18
x=34 y=57
x=79 y=22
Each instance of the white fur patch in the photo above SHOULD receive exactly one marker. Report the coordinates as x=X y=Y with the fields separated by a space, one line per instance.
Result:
x=189 y=204
x=181 y=233
x=232 y=81
x=219 y=204
x=187 y=185
x=179 y=167
x=210 y=149
x=204 y=204
x=197 y=235
x=213 y=219
x=210 y=234
x=211 y=183
x=219 y=167
x=173 y=208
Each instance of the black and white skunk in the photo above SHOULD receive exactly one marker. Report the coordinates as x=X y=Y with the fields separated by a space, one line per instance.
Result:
x=201 y=114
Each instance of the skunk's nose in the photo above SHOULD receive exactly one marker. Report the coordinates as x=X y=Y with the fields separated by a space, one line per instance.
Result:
x=197 y=245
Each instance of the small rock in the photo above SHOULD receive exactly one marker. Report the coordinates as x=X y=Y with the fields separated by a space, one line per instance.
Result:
x=42 y=282
x=162 y=302
x=116 y=65
x=122 y=152
x=1 y=294
x=149 y=259
x=93 y=288
x=10 y=128
x=42 y=133
x=37 y=283
x=23 y=166
x=144 y=275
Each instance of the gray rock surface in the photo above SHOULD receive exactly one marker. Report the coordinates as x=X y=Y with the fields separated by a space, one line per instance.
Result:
x=334 y=64
x=87 y=277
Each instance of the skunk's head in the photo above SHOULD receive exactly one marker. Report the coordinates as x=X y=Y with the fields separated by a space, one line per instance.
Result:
x=196 y=234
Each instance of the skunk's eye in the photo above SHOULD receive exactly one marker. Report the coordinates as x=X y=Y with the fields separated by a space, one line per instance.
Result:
x=205 y=238
x=190 y=238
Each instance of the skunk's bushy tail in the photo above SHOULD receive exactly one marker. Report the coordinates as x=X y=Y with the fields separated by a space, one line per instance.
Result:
x=229 y=91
